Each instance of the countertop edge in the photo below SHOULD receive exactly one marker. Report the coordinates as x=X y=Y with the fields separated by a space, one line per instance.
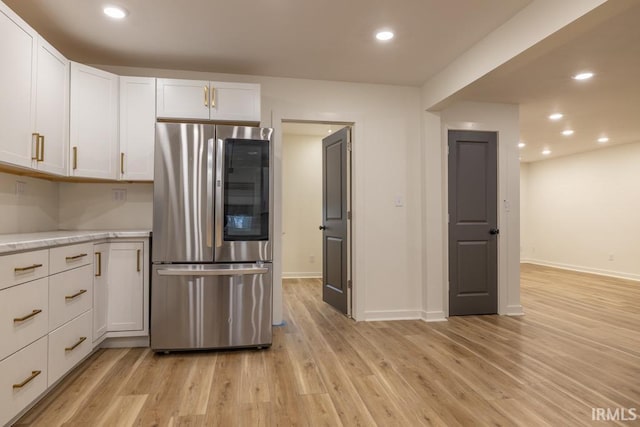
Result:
x=10 y=243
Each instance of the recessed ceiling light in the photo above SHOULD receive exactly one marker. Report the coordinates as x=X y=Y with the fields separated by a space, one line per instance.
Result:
x=567 y=132
x=115 y=12
x=384 y=35
x=546 y=152
x=556 y=116
x=329 y=131
x=603 y=140
x=521 y=145
x=583 y=76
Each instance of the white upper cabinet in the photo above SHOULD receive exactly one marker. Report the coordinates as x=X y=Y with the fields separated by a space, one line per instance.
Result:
x=200 y=99
x=17 y=89
x=137 y=128
x=93 y=123
x=236 y=102
x=51 y=127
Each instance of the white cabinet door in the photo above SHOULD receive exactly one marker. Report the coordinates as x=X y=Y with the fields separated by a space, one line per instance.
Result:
x=17 y=89
x=126 y=287
x=94 y=123
x=52 y=110
x=185 y=99
x=236 y=102
x=137 y=127
x=100 y=289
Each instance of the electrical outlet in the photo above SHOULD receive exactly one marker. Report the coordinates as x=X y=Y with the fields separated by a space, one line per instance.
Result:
x=611 y=257
x=312 y=259
x=119 y=194
x=21 y=188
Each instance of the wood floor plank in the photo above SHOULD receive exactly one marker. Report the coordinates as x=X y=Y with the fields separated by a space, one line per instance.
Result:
x=576 y=348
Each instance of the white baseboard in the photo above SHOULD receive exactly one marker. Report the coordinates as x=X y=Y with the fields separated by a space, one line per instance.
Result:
x=515 y=310
x=582 y=269
x=303 y=275
x=374 y=316
x=125 y=342
x=434 y=316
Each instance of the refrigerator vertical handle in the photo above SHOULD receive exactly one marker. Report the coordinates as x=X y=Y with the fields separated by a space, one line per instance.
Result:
x=209 y=219
x=219 y=191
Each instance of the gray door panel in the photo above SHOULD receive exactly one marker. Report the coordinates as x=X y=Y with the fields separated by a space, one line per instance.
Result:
x=334 y=219
x=473 y=213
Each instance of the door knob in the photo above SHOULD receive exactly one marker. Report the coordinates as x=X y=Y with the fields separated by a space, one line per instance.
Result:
x=322 y=227
x=494 y=231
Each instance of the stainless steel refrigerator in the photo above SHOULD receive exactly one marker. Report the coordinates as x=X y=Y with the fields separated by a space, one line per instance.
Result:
x=211 y=284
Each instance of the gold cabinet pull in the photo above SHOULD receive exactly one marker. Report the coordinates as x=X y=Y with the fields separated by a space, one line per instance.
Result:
x=31 y=267
x=75 y=158
x=35 y=142
x=28 y=380
x=40 y=154
x=73 y=347
x=213 y=97
x=122 y=163
x=138 y=260
x=28 y=316
x=76 y=295
x=72 y=258
x=99 y=272
x=206 y=96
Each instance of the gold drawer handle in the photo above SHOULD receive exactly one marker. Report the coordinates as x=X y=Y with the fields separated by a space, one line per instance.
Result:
x=138 y=260
x=77 y=294
x=28 y=316
x=31 y=267
x=73 y=347
x=71 y=258
x=28 y=380
x=99 y=272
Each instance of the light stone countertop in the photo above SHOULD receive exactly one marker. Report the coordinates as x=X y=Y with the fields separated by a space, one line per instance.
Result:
x=46 y=239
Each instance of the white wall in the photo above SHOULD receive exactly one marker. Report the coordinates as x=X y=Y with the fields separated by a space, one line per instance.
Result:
x=91 y=207
x=583 y=208
x=302 y=205
x=502 y=118
x=524 y=212
x=35 y=210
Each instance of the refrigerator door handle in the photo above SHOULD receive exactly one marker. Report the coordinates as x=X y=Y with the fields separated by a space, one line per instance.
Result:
x=218 y=272
x=209 y=212
x=219 y=190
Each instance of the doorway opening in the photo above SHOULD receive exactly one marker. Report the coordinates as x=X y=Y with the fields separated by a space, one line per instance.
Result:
x=317 y=208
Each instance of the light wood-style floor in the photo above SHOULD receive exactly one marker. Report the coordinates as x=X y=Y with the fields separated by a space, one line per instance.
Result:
x=577 y=347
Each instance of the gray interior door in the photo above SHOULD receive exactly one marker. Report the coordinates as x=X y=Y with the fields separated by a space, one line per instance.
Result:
x=335 y=242
x=473 y=219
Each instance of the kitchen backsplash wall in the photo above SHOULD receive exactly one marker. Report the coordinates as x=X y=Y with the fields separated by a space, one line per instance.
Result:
x=118 y=206
x=27 y=204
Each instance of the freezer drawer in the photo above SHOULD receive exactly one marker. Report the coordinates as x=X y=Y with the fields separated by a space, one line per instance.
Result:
x=211 y=306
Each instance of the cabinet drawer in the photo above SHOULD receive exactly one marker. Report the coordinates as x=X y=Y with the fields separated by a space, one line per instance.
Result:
x=70 y=294
x=23 y=267
x=68 y=345
x=67 y=257
x=24 y=315
x=23 y=377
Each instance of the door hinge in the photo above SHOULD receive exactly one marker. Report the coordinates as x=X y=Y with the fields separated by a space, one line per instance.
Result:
x=448 y=218
x=348 y=145
x=348 y=214
x=349 y=284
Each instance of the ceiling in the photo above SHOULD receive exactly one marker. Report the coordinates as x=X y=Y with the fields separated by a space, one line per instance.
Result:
x=607 y=42
x=333 y=40
x=320 y=39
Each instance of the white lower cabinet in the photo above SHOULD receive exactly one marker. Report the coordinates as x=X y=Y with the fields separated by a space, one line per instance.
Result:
x=68 y=345
x=24 y=315
x=100 y=290
x=70 y=294
x=126 y=287
x=23 y=377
